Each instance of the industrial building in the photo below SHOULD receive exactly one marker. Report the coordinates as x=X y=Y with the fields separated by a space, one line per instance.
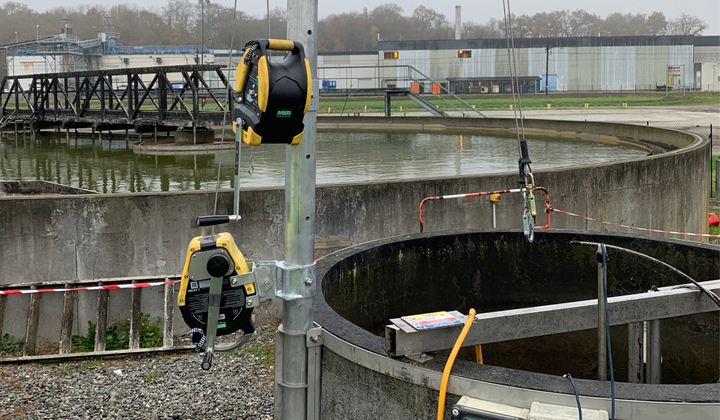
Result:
x=588 y=64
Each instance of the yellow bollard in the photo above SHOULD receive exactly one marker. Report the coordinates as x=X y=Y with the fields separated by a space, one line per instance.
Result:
x=548 y=106
x=400 y=108
x=473 y=106
x=328 y=110
x=511 y=107
x=365 y=108
x=587 y=105
x=625 y=105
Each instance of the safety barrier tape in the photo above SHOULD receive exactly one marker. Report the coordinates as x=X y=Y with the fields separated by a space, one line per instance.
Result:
x=705 y=235
x=108 y=287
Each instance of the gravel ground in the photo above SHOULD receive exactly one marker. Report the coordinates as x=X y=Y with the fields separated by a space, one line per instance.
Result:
x=163 y=386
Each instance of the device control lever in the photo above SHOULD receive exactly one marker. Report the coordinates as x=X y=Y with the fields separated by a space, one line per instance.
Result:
x=211 y=220
x=214 y=298
x=214 y=220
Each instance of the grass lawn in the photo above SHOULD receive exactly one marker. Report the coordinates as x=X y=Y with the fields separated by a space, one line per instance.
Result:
x=533 y=101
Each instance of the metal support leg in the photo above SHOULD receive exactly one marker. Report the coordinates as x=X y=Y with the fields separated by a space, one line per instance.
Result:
x=494 y=214
x=314 y=376
x=636 y=371
x=388 y=101
x=654 y=360
x=602 y=326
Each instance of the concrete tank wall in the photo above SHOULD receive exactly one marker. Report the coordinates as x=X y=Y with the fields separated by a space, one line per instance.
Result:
x=364 y=286
x=99 y=236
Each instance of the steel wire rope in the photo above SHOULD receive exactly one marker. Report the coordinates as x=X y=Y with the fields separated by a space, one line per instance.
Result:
x=709 y=293
x=512 y=86
x=514 y=66
x=229 y=94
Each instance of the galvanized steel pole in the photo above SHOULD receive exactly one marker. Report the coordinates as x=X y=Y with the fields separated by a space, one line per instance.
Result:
x=299 y=228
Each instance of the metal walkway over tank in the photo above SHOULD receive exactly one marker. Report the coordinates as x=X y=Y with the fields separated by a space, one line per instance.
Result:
x=143 y=99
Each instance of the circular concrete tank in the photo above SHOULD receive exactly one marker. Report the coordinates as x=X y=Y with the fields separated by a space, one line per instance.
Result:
x=364 y=286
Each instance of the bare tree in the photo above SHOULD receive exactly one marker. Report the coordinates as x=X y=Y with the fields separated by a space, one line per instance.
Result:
x=687 y=25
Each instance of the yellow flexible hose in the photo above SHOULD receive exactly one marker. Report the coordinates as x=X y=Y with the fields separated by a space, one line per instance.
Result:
x=450 y=361
x=478 y=354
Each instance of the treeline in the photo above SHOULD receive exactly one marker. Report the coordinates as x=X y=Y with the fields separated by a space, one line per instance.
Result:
x=179 y=23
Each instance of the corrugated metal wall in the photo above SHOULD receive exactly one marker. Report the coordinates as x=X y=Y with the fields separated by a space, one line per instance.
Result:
x=576 y=68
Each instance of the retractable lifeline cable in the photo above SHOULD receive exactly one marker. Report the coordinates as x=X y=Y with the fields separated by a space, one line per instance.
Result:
x=526 y=179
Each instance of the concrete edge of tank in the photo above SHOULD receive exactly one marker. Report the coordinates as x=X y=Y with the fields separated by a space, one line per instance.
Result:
x=359 y=338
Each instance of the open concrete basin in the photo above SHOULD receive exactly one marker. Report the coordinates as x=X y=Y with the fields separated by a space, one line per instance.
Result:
x=364 y=286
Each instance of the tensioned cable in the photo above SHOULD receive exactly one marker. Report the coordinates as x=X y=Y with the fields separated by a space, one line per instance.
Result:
x=225 y=111
x=512 y=85
x=517 y=80
x=704 y=290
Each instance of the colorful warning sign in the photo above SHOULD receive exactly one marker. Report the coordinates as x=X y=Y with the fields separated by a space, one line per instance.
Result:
x=432 y=320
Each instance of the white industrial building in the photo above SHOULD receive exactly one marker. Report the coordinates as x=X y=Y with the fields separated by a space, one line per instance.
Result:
x=467 y=66
x=573 y=64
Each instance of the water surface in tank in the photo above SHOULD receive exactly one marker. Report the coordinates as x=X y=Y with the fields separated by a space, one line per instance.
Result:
x=343 y=156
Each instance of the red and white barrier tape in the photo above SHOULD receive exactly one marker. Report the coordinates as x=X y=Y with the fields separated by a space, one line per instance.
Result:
x=108 y=287
x=705 y=235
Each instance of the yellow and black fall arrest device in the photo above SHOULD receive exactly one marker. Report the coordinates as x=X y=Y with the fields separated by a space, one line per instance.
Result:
x=274 y=96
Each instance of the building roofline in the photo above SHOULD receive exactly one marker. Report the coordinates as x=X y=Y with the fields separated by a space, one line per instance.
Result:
x=559 y=42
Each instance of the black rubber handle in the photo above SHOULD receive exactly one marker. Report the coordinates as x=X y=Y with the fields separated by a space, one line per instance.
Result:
x=207 y=361
x=211 y=220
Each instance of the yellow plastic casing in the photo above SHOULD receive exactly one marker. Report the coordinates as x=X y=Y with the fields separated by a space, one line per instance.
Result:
x=309 y=89
x=263 y=83
x=241 y=73
x=225 y=241
x=251 y=138
x=280 y=44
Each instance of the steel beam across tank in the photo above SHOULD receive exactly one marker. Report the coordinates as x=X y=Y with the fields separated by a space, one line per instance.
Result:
x=166 y=97
x=493 y=327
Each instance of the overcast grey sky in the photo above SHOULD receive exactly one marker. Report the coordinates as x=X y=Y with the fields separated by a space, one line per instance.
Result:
x=473 y=10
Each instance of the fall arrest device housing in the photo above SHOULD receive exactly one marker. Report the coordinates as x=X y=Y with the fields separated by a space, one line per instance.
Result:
x=274 y=95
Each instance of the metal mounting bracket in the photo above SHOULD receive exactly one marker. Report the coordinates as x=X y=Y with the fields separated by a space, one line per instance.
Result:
x=277 y=279
x=313 y=338
x=419 y=358
x=296 y=281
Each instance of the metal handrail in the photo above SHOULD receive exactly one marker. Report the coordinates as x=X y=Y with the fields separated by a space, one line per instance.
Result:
x=410 y=77
x=447 y=91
